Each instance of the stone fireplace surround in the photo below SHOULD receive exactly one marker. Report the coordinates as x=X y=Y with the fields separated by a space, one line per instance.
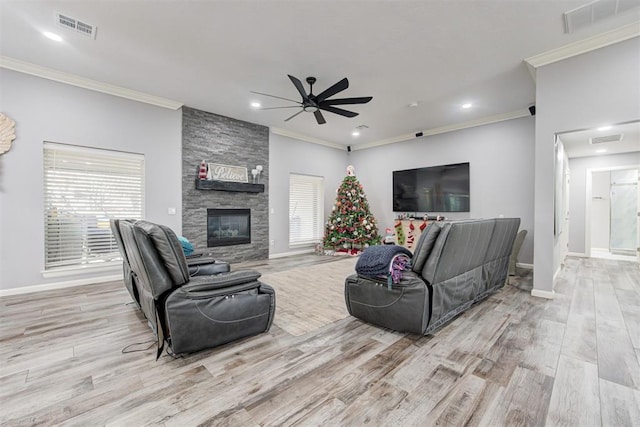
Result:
x=218 y=139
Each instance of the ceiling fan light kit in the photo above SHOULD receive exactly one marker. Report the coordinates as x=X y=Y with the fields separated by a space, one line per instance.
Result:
x=315 y=103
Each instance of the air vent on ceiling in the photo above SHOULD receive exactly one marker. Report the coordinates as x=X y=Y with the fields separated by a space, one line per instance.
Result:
x=595 y=11
x=608 y=138
x=73 y=24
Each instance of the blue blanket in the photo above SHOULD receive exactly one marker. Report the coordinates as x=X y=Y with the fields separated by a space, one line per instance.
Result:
x=375 y=261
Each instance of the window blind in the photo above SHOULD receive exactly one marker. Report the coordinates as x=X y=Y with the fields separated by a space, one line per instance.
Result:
x=306 y=202
x=83 y=189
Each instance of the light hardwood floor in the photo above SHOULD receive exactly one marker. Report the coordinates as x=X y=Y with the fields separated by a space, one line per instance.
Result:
x=510 y=360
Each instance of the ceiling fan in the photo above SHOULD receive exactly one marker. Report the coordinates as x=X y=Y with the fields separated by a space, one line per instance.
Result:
x=314 y=103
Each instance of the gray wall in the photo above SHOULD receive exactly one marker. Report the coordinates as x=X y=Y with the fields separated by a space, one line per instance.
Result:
x=286 y=156
x=602 y=86
x=49 y=111
x=501 y=168
x=578 y=193
x=227 y=141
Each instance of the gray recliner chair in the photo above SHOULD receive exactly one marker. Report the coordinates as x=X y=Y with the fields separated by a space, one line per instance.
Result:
x=128 y=276
x=192 y=313
x=198 y=265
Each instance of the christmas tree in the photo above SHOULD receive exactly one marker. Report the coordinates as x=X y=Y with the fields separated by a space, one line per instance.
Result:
x=351 y=224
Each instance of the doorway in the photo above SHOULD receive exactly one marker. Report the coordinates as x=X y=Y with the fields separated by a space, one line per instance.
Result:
x=614 y=200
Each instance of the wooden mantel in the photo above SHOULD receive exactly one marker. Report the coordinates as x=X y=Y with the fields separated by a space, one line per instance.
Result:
x=244 y=187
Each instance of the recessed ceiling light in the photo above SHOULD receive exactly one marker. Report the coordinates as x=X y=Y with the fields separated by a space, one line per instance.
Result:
x=356 y=132
x=414 y=104
x=601 y=150
x=255 y=104
x=603 y=128
x=467 y=105
x=52 y=36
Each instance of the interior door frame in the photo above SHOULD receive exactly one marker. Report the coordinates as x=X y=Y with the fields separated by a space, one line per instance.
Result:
x=588 y=200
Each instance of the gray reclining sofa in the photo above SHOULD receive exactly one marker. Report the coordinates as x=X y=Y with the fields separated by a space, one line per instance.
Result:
x=455 y=264
x=191 y=313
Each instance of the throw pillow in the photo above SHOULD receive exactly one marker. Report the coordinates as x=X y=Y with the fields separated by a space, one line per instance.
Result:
x=187 y=247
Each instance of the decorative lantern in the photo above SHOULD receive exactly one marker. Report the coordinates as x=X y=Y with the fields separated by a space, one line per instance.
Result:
x=202 y=172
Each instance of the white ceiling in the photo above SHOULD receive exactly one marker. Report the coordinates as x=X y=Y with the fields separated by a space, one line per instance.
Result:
x=578 y=143
x=210 y=54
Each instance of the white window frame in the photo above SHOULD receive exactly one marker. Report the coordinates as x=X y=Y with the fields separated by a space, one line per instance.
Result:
x=306 y=209
x=84 y=188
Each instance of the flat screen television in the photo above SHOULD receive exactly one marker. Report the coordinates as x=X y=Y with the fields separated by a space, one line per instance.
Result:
x=432 y=189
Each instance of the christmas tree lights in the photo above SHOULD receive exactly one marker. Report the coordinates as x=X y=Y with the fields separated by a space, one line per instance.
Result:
x=351 y=224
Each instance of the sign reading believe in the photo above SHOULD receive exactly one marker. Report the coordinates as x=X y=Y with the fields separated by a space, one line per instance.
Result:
x=228 y=173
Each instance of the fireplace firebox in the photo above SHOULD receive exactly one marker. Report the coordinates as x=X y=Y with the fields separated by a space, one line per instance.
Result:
x=226 y=227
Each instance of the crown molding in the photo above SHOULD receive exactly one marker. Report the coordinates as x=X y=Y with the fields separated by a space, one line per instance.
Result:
x=71 y=79
x=444 y=129
x=583 y=46
x=294 y=135
x=399 y=138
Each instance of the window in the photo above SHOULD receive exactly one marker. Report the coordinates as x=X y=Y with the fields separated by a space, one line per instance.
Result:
x=83 y=189
x=306 y=203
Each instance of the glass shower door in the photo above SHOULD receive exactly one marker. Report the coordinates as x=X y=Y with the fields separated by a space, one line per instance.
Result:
x=624 y=211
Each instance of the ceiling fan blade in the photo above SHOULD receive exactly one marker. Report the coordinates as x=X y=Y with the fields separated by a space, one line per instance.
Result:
x=339 y=111
x=345 y=101
x=298 y=84
x=286 y=120
x=273 y=96
x=276 y=108
x=338 y=87
x=319 y=117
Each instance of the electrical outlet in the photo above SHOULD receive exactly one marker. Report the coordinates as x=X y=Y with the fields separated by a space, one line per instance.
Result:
x=273 y=243
x=171 y=211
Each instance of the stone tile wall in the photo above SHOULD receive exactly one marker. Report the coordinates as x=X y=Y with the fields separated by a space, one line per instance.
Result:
x=219 y=139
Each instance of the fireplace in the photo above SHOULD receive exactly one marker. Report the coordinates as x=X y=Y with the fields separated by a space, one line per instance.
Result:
x=227 y=227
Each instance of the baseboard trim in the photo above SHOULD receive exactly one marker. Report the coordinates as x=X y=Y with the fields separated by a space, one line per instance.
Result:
x=286 y=254
x=525 y=266
x=577 y=255
x=58 y=285
x=543 y=294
